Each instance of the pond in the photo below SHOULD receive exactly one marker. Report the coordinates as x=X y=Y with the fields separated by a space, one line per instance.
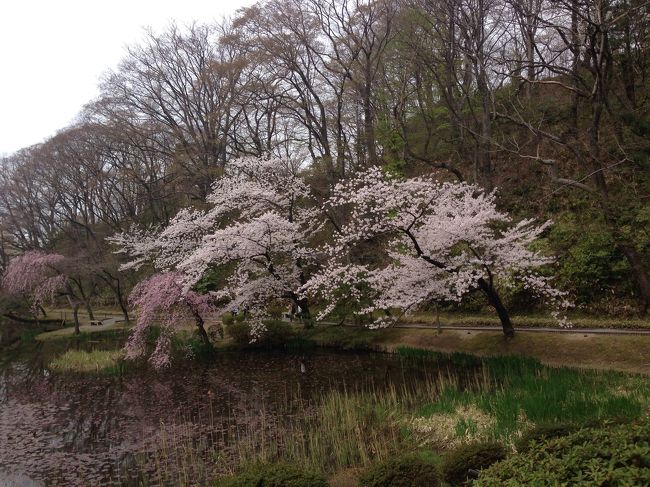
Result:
x=116 y=430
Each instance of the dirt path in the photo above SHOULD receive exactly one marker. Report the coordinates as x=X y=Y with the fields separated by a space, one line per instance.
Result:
x=530 y=329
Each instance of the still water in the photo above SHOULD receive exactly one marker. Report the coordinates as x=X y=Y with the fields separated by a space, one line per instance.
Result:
x=94 y=429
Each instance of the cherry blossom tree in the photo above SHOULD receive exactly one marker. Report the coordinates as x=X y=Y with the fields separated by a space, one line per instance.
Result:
x=257 y=226
x=40 y=277
x=441 y=241
x=161 y=300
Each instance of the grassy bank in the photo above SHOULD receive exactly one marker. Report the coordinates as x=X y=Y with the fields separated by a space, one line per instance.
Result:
x=535 y=320
x=607 y=352
x=85 y=330
x=96 y=361
x=625 y=353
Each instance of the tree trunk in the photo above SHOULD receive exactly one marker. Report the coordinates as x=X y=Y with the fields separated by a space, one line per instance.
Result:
x=75 y=313
x=530 y=59
x=89 y=309
x=575 y=47
x=116 y=286
x=201 y=328
x=497 y=304
x=120 y=300
x=641 y=275
x=368 y=120
x=303 y=311
x=484 y=156
x=74 y=304
x=85 y=299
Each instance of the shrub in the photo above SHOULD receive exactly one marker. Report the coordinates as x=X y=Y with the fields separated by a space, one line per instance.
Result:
x=308 y=323
x=275 y=311
x=613 y=456
x=402 y=471
x=240 y=333
x=227 y=319
x=276 y=335
x=543 y=432
x=195 y=347
x=30 y=335
x=591 y=266
x=476 y=456
x=215 y=332
x=274 y=475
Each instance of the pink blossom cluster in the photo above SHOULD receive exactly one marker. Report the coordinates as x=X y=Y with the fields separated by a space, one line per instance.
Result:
x=256 y=223
x=439 y=241
x=35 y=275
x=161 y=300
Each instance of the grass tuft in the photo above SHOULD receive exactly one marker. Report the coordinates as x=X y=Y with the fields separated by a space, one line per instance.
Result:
x=104 y=361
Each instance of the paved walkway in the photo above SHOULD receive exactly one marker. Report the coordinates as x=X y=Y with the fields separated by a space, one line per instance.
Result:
x=584 y=331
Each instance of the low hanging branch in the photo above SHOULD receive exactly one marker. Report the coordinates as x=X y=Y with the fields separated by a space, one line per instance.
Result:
x=40 y=277
x=161 y=300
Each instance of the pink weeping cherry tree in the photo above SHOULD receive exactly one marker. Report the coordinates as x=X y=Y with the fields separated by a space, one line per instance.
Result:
x=40 y=277
x=440 y=241
x=256 y=230
x=161 y=300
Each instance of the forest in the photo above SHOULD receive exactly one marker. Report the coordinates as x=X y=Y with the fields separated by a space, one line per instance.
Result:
x=543 y=101
x=370 y=163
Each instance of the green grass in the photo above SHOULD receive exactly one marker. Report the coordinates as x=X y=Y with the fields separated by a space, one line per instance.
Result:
x=535 y=320
x=29 y=336
x=516 y=391
x=117 y=331
x=627 y=353
x=97 y=361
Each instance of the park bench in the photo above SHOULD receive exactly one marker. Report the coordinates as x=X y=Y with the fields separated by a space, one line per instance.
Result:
x=106 y=321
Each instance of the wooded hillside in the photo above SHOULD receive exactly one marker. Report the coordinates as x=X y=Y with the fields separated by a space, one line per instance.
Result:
x=546 y=101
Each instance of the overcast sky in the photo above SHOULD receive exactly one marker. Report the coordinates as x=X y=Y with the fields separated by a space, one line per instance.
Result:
x=53 y=52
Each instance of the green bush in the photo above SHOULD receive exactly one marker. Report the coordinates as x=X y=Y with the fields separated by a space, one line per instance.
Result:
x=476 y=456
x=613 y=456
x=197 y=348
x=239 y=332
x=591 y=266
x=275 y=311
x=29 y=336
x=308 y=323
x=215 y=332
x=402 y=471
x=276 y=335
x=227 y=319
x=274 y=475
x=544 y=432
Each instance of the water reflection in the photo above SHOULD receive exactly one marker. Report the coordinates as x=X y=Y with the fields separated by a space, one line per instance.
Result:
x=87 y=430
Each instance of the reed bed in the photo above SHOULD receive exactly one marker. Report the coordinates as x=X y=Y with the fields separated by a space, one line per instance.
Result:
x=464 y=400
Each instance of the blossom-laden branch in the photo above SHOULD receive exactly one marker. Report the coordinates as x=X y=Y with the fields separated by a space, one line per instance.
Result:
x=443 y=240
x=36 y=276
x=258 y=225
x=161 y=300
